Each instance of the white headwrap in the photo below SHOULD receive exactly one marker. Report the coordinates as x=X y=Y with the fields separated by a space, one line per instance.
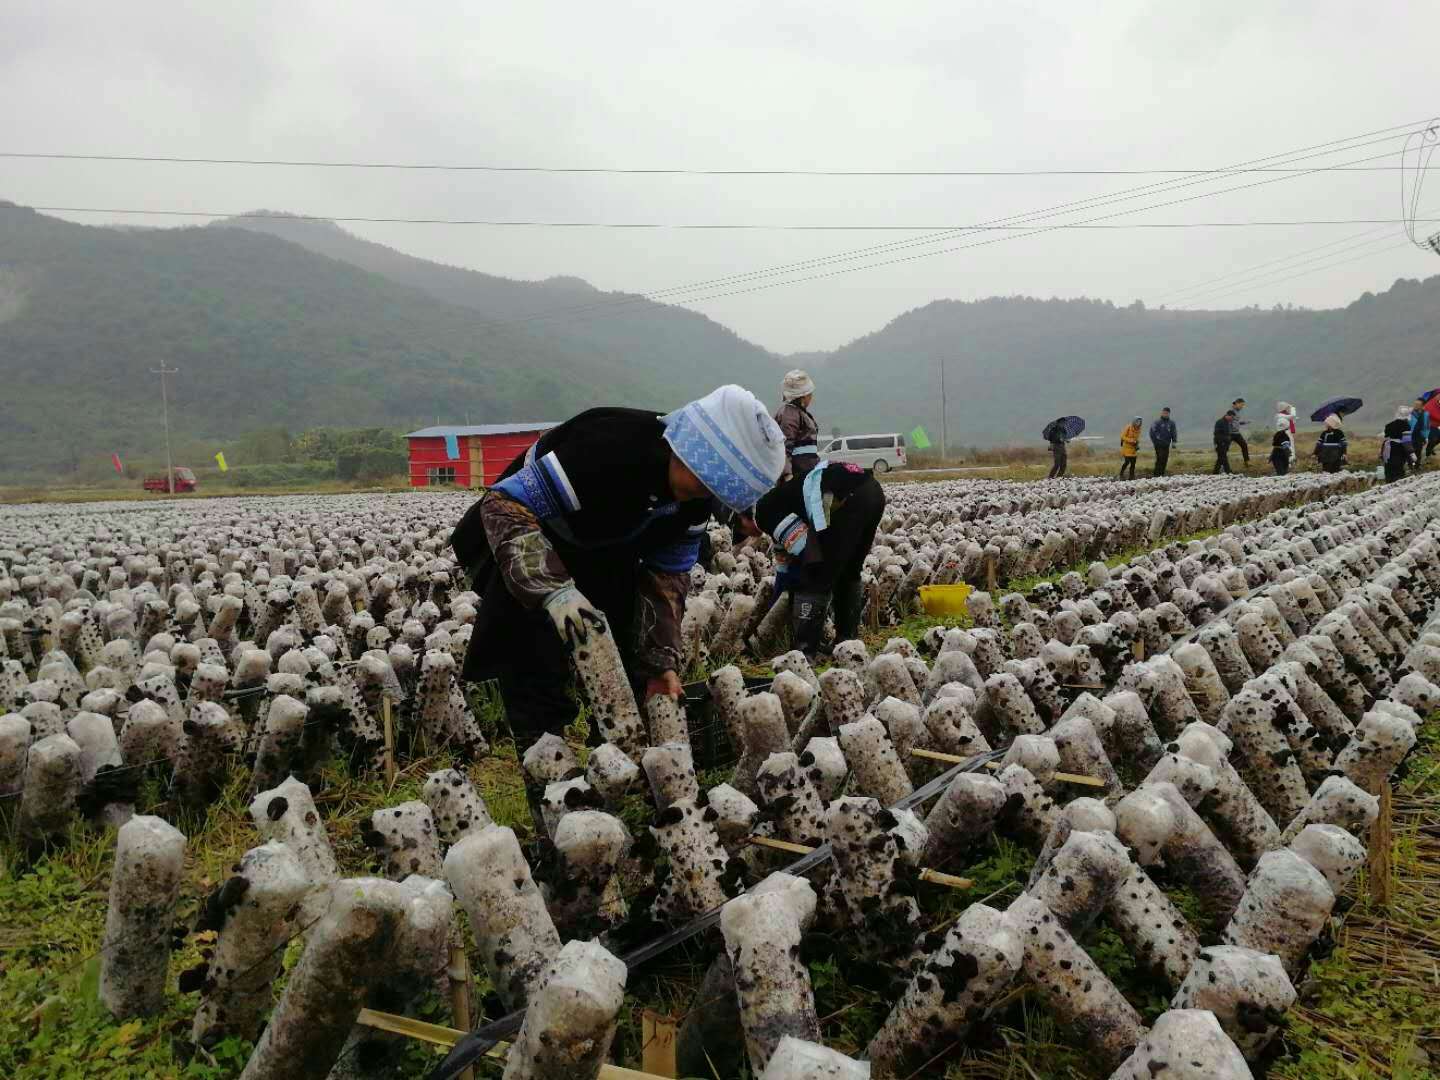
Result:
x=730 y=443
x=796 y=384
x=1332 y=421
x=1402 y=413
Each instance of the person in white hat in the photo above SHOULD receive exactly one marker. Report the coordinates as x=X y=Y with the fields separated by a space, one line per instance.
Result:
x=598 y=526
x=802 y=433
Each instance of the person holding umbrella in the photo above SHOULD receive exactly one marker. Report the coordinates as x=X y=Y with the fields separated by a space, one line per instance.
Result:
x=1130 y=447
x=1332 y=446
x=1224 y=433
x=1057 y=434
x=1163 y=436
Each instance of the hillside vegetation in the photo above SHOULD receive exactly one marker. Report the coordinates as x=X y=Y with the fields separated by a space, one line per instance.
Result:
x=269 y=334
x=295 y=324
x=1012 y=364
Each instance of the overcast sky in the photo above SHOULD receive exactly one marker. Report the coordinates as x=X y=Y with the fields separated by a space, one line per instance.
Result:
x=942 y=85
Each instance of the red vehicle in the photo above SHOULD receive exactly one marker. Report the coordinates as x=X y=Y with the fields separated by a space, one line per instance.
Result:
x=184 y=481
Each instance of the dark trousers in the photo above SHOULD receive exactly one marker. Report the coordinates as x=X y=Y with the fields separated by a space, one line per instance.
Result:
x=1060 y=453
x=1222 y=459
x=1162 y=457
x=1239 y=440
x=1395 y=468
x=1431 y=442
x=521 y=650
x=1127 y=463
x=844 y=545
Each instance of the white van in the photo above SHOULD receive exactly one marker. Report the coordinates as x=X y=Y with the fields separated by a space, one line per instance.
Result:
x=879 y=452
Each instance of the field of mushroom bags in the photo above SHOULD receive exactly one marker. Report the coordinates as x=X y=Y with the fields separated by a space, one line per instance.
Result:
x=1107 y=824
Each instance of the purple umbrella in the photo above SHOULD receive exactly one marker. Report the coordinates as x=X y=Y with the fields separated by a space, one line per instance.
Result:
x=1341 y=406
x=1071 y=425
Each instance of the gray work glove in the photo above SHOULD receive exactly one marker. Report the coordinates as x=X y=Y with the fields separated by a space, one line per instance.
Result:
x=576 y=619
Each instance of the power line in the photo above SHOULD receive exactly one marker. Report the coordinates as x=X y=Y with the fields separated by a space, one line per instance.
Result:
x=757 y=227
x=1303 y=273
x=1037 y=231
x=675 y=294
x=394 y=166
x=1257 y=266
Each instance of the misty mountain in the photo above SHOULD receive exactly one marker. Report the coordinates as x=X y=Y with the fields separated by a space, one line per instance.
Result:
x=268 y=332
x=297 y=323
x=1012 y=364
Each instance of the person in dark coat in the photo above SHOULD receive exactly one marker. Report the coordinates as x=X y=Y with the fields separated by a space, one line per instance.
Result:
x=1332 y=445
x=1395 y=448
x=1163 y=436
x=1236 y=435
x=823 y=525
x=1057 y=435
x=1280 y=452
x=1224 y=433
x=599 y=524
x=802 y=433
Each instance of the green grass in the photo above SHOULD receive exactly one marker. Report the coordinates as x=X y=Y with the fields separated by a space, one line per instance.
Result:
x=1372 y=1009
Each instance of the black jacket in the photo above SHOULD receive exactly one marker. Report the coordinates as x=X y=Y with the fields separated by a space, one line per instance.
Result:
x=1223 y=432
x=1163 y=432
x=617 y=467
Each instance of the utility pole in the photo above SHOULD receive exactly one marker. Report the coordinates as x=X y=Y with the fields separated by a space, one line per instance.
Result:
x=162 y=371
x=944 y=430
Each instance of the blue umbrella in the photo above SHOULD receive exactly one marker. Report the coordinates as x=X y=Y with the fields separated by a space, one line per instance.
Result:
x=1341 y=406
x=1072 y=425
x=1428 y=394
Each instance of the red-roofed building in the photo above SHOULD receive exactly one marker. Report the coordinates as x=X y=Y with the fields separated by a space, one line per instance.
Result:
x=467 y=456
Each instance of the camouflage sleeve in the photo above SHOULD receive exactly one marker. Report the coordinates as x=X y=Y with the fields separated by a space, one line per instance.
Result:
x=660 y=604
x=528 y=564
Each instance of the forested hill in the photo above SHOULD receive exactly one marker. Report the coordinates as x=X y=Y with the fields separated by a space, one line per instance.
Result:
x=1012 y=364
x=298 y=324
x=267 y=333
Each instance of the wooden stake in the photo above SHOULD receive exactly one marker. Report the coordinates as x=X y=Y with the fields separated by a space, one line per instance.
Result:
x=1139 y=649
x=389 y=740
x=439 y=1035
x=935 y=877
x=459 y=972
x=956 y=759
x=657 y=1043
x=991 y=581
x=780 y=845
x=1379 y=862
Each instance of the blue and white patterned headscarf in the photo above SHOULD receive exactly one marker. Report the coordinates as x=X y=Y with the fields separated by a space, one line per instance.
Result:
x=730 y=443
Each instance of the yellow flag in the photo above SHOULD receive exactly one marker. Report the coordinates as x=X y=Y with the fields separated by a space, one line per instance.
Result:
x=220 y=460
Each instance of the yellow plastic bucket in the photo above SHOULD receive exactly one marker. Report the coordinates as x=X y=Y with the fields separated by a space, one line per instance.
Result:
x=944 y=599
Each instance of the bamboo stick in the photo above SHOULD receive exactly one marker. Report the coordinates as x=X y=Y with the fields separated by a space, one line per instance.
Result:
x=956 y=759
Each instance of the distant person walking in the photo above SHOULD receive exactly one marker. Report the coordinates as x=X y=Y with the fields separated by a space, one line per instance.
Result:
x=1224 y=433
x=1395 y=447
x=802 y=433
x=1331 y=448
x=1421 y=433
x=1130 y=447
x=1057 y=435
x=1432 y=412
x=1236 y=435
x=1163 y=435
